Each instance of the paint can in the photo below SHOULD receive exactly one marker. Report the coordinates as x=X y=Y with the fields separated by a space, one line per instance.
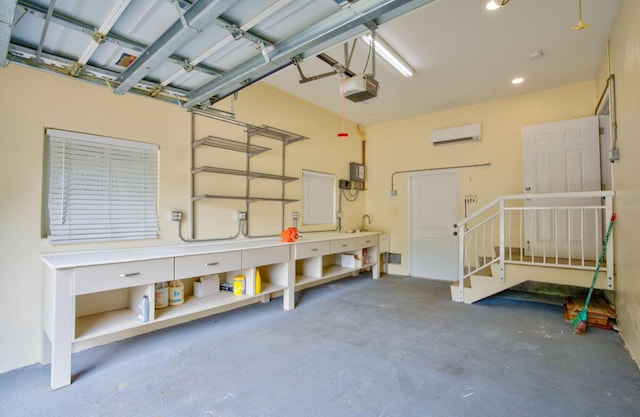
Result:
x=176 y=293
x=239 y=285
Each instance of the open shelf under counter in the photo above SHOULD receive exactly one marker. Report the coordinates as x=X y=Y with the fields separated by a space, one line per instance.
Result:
x=100 y=324
x=214 y=303
x=329 y=273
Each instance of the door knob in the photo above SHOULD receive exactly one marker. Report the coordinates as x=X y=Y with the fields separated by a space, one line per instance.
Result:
x=455 y=233
x=527 y=188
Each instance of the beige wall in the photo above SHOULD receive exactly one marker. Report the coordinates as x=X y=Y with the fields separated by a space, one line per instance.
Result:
x=406 y=145
x=625 y=65
x=32 y=100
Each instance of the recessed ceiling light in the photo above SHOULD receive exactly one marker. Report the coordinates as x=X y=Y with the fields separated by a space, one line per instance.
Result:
x=535 y=55
x=517 y=80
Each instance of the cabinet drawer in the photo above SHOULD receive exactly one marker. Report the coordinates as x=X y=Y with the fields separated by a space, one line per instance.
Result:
x=311 y=249
x=342 y=245
x=211 y=263
x=265 y=256
x=367 y=241
x=89 y=279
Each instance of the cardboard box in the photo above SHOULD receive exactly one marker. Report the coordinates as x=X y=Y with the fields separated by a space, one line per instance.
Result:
x=349 y=260
x=206 y=285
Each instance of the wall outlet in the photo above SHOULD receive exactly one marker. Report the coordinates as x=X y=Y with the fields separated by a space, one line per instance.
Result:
x=344 y=184
x=295 y=215
x=176 y=216
x=242 y=215
x=614 y=155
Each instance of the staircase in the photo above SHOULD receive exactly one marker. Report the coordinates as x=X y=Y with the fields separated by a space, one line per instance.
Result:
x=553 y=238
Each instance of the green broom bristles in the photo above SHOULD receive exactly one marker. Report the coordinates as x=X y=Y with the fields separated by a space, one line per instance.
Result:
x=580 y=321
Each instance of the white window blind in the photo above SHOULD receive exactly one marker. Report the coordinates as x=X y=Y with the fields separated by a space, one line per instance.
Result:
x=318 y=198
x=99 y=188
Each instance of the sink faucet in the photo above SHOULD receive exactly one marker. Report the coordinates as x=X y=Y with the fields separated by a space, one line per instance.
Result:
x=366 y=216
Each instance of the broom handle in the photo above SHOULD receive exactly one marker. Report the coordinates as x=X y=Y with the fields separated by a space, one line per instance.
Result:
x=604 y=248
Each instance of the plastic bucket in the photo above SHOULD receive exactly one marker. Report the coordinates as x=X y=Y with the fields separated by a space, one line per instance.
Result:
x=162 y=295
x=176 y=293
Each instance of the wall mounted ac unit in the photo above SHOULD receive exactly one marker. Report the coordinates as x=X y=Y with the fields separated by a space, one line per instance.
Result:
x=457 y=134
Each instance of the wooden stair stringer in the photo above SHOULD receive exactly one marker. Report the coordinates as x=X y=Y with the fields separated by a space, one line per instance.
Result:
x=557 y=275
x=483 y=285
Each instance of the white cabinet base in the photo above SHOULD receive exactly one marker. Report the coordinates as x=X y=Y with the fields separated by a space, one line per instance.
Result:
x=91 y=298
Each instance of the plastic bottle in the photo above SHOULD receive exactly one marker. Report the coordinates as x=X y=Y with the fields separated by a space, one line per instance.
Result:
x=258 y=282
x=143 y=309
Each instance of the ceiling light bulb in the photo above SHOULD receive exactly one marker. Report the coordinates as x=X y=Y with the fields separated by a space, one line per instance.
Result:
x=518 y=80
x=496 y=4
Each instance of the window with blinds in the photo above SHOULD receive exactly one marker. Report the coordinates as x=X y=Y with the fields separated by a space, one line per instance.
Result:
x=318 y=198
x=99 y=188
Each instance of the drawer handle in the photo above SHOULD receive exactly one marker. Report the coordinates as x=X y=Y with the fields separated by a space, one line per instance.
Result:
x=344 y=245
x=132 y=274
x=314 y=249
x=211 y=263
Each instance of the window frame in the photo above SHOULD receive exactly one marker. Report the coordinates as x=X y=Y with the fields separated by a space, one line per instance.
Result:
x=99 y=188
x=318 y=198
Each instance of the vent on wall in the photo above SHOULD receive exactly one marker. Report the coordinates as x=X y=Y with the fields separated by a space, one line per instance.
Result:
x=457 y=134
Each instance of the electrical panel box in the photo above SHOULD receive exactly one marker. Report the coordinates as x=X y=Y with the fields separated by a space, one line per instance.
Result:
x=356 y=171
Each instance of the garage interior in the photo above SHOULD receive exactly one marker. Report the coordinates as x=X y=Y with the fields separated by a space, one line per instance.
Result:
x=166 y=72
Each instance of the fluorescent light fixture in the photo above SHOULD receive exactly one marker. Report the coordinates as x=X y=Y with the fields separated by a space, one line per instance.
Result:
x=496 y=4
x=517 y=80
x=105 y=27
x=389 y=55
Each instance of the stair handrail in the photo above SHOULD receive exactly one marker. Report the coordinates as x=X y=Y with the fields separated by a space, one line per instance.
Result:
x=500 y=202
x=534 y=196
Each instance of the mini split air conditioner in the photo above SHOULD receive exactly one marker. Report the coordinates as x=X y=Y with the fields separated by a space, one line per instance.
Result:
x=457 y=134
x=360 y=87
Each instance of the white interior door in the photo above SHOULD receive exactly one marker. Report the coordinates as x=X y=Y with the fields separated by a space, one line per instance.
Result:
x=432 y=218
x=560 y=157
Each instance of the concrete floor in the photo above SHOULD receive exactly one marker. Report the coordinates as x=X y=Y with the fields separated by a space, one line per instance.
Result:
x=357 y=347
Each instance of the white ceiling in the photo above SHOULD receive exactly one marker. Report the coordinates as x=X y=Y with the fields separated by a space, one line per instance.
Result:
x=463 y=54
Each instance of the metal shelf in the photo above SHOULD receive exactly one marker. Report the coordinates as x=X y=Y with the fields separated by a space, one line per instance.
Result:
x=230 y=145
x=247 y=148
x=242 y=173
x=274 y=133
x=247 y=199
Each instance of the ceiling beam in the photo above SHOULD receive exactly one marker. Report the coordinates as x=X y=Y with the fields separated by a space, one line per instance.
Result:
x=192 y=22
x=87 y=29
x=57 y=65
x=345 y=24
x=7 y=10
